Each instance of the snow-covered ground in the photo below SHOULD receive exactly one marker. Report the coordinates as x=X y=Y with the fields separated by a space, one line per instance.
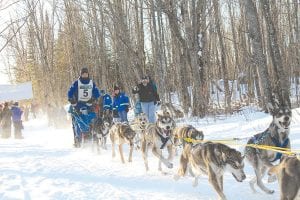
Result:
x=44 y=165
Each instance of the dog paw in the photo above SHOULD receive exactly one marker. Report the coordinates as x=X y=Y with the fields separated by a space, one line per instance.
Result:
x=271 y=191
x=170 y=165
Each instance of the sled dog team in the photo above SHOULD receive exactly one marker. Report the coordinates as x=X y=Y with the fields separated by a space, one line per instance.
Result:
x=212 y=159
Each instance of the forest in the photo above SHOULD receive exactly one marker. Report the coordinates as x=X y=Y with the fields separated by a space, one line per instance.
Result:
x=215 y=56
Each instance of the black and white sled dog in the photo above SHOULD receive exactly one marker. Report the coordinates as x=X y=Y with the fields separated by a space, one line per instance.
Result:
x=102 y=129
x=159 y=136
x=140 y=123
x=277 y=135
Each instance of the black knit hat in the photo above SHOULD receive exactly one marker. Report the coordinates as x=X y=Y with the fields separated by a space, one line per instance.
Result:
x=116 y=88
x=84 y=70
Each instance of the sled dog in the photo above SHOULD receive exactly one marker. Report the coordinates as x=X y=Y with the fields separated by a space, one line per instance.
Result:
x=212 y=159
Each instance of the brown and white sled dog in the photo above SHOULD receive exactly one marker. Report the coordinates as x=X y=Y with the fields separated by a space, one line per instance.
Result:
x=187 y=131
x=288 y=175
x=159 y=136
x=139 y=126
x=121 y=133
x=102 y=130
x=277 y=134
x=213 y=159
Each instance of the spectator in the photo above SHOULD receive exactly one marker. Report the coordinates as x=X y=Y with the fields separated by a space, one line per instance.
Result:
x=148 y=97
x=17 y=122
x=120 y=104
x=6 y=121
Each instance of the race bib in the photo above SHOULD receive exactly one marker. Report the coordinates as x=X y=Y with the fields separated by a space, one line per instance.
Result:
x=85 y=91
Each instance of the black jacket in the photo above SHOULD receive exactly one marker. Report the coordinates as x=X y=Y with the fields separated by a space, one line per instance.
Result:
x=5 y=117
x=147 y=93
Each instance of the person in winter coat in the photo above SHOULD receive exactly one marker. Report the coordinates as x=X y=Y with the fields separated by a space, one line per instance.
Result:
x=82 y=94
x=5 y=121
x=120 y=104
x=83 y=91
x=149 y=97
x=104 y=104
x=17 y=122
x=107 y=102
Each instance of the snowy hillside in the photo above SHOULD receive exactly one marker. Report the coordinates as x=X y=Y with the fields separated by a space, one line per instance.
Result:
x=45 y=166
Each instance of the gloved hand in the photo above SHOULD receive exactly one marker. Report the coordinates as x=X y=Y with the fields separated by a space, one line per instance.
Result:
x=135 y=89
x=72 y=101
x=127 y=109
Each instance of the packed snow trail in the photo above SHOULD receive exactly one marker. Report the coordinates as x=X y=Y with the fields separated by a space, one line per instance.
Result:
x=45 y=166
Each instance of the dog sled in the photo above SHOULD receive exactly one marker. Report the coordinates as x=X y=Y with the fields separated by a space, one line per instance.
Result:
x=82 y=123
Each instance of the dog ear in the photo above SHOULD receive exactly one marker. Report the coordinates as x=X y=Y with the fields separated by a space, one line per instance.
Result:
x=224 y=158
x=274 y=105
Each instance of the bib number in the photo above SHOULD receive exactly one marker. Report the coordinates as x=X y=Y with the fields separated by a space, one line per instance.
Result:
x=85 y=93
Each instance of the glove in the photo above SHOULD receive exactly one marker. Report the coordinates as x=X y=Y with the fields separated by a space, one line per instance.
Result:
x=72 y=101
x=135 y=89
x=127 y=109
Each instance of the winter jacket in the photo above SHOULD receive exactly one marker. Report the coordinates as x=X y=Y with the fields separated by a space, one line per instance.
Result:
x=147 y=93
x=16 y=114
x=107 y=102
x=6 y=117
x=73 y=91
x=121 y=102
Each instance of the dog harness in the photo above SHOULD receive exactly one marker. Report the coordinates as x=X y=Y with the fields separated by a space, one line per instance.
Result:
x=163 y=139
x=263 y=135
x=277 y=143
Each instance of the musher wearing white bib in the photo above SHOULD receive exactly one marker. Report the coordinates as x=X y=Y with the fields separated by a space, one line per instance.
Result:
x=83 y=91
x=82 y=94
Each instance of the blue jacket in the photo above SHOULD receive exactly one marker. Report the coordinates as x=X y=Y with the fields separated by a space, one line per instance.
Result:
x=16 y=114
x=121 y=102
x=73 y=91
x=107 y=102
